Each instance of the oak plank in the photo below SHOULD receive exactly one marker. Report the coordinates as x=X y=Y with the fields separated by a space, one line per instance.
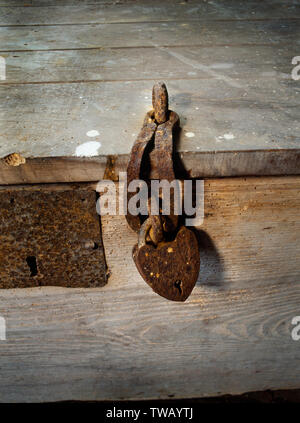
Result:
x=145 y=34
x=197 y=165
x=53 y=120
x=63 y=12
x=122 y=341
x=246 y=95
x=236 y=63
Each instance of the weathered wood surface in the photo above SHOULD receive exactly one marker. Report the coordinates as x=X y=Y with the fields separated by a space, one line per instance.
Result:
x=188 y=9
x=201 y=33
x=209 y=164
x=96 y=12
x=122 y=341
x=56 y=117
x=231 y=82
x=97 y=65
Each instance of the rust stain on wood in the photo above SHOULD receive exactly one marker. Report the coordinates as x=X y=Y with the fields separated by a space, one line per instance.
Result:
x=110 y=169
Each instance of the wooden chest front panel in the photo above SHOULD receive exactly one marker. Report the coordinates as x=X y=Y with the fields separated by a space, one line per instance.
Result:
x=122 y=341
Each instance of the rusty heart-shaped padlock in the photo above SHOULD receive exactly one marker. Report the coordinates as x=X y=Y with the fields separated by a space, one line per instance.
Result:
x=167 y=258
x=171 y=268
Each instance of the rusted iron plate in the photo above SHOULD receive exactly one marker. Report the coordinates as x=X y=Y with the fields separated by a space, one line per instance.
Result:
x=50 y=235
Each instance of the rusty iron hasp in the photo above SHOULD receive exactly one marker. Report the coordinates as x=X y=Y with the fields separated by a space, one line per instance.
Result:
x=162 y=133
x=167 y=258
x=135 y=162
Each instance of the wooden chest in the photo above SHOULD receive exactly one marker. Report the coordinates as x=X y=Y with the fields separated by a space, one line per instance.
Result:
x=80 y=323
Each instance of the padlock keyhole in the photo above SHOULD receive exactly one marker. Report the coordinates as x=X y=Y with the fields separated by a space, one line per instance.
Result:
x=177 y=285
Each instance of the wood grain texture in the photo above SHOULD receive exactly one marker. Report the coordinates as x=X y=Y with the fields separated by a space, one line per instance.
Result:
x=239 y=64
x=73 y=67
x=196 y=165
x=98 y=12
x=132 y=35
x=262 y=114
x=122 y=341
